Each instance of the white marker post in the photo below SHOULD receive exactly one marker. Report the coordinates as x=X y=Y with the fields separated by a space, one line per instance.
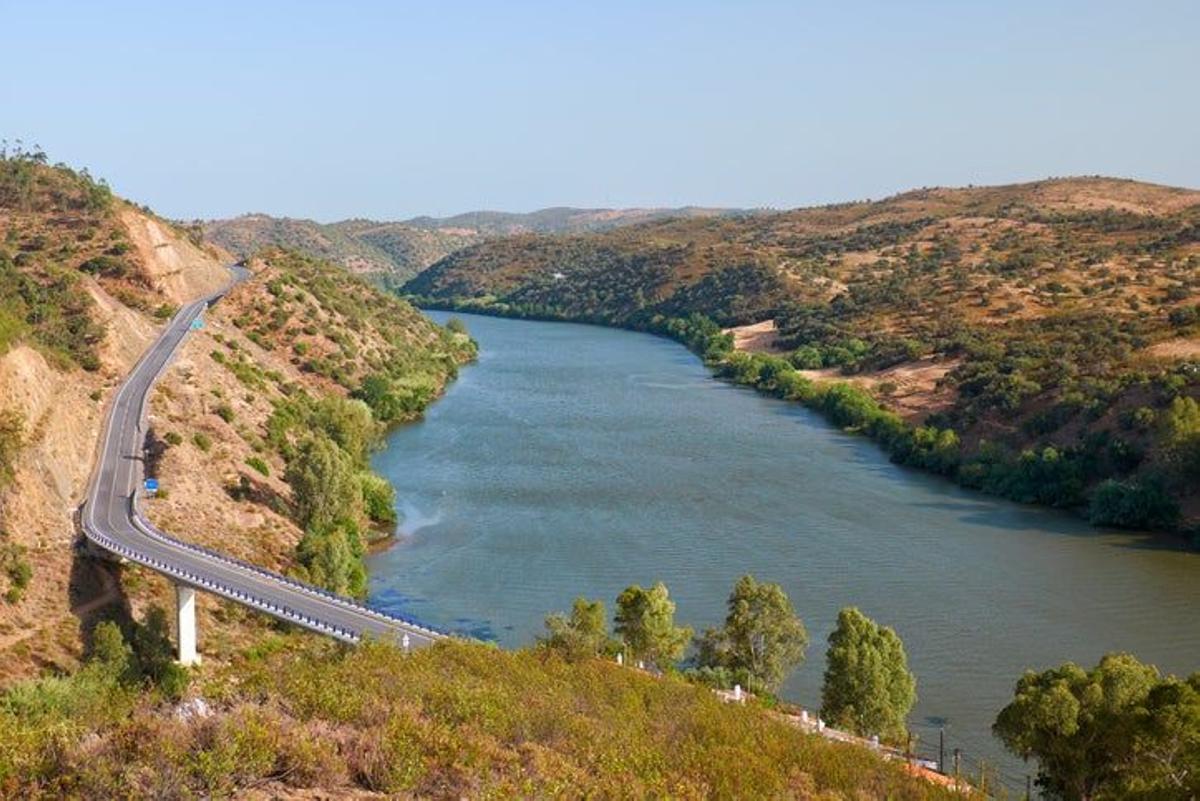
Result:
x=404 y=642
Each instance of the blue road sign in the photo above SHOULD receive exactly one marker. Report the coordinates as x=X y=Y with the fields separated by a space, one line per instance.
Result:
x=152 y=485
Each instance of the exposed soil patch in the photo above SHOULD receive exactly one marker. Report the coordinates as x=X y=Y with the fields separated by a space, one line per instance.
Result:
x=756 y=338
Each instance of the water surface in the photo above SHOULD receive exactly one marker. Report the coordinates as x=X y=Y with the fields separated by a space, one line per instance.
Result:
x=578 y=460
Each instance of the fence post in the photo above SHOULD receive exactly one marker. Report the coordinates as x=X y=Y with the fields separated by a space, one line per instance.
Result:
x=957 y=765
x=942 y=750
x=1028 y=787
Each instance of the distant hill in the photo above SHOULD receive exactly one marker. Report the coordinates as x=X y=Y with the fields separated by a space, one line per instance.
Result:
x=388 y=253
x=392 y=252
x=557 y=220
x=1052 y=328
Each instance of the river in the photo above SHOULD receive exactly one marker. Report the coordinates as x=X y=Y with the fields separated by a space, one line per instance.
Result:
x=576 y=460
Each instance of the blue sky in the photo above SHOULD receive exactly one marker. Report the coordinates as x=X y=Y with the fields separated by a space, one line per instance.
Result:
x=388 y=110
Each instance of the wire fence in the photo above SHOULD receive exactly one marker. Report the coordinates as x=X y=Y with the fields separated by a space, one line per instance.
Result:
x=932 y=746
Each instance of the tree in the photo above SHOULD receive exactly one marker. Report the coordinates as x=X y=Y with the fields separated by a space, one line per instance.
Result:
x=324 y=485
x=646 y=623
x=868 y=688
x=1166 y=759
x=110 y=653
x=582 y=634
x=349 y=423
x=1181 y=435
x=331 y=556
x=1081 y=726
x=763 y=637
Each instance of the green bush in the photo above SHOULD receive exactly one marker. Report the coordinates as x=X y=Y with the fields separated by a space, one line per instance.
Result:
x=202 y=441
x=379 y=498
x=1133 y=504
x=259 y=464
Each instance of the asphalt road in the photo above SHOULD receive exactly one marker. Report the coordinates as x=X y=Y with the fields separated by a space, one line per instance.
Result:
x=112 y=521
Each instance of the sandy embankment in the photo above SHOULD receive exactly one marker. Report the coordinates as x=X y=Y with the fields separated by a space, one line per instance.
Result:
x=912 y=389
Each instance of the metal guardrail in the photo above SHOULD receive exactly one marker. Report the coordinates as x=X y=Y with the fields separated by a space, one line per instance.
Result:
x=277 y=610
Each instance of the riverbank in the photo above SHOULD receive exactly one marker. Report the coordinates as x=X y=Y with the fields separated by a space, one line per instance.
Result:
x=1047 y=476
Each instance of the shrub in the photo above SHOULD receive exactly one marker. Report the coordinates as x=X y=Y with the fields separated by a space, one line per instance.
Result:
x=202 y=441
x=1133 y=504
x=258 y=464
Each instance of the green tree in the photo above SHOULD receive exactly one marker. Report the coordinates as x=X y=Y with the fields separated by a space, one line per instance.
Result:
x=1080 y=726
x=1166 y=761
x=325 y=487
x=868 y=688
x=110 y=653
x=1181 y=435
x=762 y=636
x=332 y=557
x=645 y=621
x=379 y=498
x=580 y=635
x=349 y=423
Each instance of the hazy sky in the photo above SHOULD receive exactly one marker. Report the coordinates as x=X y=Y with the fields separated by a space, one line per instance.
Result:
x=388 y=110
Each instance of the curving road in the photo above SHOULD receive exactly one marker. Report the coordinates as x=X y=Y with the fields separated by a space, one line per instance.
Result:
x=112 y=521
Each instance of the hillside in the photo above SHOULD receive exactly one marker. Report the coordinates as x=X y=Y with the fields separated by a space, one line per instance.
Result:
x=308 y=720
x=1044 y=336
x=86 y=281
x=390 y=253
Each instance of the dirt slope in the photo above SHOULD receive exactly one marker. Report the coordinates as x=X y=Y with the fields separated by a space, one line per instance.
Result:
x=63 y=408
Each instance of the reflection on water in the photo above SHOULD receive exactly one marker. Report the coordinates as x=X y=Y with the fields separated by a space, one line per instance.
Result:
x=577 y=460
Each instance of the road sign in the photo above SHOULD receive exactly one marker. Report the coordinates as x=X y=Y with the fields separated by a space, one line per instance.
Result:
x=152 y=485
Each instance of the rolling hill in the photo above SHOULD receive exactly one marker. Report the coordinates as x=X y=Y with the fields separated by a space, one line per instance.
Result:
x=392 y=252
x=1044 y=336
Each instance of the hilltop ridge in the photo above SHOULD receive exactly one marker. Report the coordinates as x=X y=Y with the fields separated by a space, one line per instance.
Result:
x=391 y=252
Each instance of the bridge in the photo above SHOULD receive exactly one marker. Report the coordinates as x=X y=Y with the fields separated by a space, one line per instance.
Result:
x=113 y=522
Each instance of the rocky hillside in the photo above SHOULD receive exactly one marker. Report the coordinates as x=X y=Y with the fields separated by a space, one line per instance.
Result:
x=390 y=253
x=86 y=280
x=1047 y=333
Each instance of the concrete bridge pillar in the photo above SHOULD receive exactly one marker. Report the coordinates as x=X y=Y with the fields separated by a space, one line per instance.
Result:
x=185 y=618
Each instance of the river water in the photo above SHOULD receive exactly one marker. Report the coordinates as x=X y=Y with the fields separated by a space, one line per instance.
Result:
x=577 y=460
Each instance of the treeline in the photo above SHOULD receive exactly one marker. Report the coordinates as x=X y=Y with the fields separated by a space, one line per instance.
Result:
x=1118 y=731
x=1073 y=477
x=868 y=689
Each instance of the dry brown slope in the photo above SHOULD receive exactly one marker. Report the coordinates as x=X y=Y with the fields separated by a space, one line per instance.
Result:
x=62 y=407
